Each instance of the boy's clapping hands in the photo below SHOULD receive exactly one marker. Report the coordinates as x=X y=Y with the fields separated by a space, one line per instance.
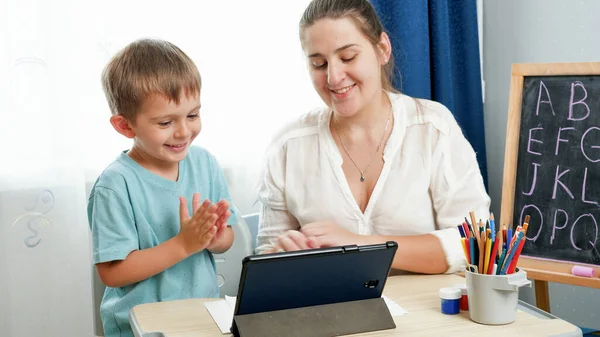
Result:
x=223 y=214
x=207 y=224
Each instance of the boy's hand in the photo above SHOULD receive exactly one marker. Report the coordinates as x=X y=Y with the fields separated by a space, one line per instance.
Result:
x=198 y=231
x=223 y=214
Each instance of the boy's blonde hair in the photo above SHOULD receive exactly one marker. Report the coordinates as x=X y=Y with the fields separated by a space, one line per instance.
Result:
x=147 y=67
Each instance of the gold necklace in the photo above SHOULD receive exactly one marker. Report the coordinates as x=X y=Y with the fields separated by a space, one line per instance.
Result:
x=362 y=172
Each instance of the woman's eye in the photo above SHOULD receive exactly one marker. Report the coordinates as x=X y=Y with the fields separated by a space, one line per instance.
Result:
x=319 y=65
x=348 y=59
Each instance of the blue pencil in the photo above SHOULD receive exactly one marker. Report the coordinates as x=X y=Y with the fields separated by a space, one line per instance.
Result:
x=513 y=249
x=501 y=259
x=493 y=226
x=461 y=231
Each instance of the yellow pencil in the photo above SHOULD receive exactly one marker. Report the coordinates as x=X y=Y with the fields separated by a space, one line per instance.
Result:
x=488 y=250
x=481 y=253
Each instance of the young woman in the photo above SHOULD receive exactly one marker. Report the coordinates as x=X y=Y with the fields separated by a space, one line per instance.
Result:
x=374 y=165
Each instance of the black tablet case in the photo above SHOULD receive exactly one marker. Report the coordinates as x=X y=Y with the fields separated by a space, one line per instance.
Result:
x=319 y=292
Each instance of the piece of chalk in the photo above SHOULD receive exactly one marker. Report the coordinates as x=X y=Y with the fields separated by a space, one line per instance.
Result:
x=582 y=271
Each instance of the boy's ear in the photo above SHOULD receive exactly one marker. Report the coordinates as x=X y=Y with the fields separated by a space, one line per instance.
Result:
x=122 y=125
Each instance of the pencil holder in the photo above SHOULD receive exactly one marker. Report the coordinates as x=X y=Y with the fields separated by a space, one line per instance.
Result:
x=493 y=299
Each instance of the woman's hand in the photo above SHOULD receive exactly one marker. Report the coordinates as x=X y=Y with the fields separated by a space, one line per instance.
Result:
x=293 y=240
x=329 y=234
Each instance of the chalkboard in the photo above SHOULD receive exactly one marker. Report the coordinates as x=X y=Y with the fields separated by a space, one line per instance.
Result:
x=558 y=170
x=552 y=168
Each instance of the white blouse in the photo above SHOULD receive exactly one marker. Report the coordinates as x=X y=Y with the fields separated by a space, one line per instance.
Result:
x=429 y=183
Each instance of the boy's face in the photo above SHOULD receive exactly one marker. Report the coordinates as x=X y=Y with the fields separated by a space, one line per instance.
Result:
x=164 y=130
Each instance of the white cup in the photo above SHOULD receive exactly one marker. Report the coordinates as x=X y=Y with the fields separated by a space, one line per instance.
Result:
x=493 y=299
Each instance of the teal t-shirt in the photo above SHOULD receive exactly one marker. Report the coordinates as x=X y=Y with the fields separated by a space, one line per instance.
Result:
x=131 y=208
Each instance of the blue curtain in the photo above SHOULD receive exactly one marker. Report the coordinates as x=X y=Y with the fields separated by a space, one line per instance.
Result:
x=436 y=50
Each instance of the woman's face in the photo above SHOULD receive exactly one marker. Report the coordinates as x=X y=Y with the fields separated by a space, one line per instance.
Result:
x=344 y=66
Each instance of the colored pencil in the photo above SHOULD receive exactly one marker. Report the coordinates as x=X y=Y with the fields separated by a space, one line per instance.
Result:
x=493 y=254
x=472 y=242
x=466 y=230
x=515 y=260
x=493 y=226
x=472 y=215
x=481 y=252
x=510 y=256
x=475 y=226
x=488 y=248
x=461 y=231
x=463 y=242
x=501 y=258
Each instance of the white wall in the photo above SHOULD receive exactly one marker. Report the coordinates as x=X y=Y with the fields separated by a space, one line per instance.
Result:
x=45 y=264
x=534 y=31
x=55 y=136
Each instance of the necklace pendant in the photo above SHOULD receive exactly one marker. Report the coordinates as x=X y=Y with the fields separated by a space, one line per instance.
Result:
x=362 y=178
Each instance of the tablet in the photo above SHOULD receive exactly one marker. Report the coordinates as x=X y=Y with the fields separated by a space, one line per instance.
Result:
x=312 y=277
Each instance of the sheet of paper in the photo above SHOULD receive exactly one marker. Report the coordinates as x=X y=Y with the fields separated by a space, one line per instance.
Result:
x=231 y=301
x=394 y=308
x=222 y=314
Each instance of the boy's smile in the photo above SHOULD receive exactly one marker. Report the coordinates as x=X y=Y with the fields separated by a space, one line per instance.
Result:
x=177 y=148
x=163 y=132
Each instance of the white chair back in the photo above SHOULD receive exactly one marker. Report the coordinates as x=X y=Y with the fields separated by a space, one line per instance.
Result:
x=229 y=264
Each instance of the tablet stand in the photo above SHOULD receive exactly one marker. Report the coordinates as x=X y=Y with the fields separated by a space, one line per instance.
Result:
x=319 y=321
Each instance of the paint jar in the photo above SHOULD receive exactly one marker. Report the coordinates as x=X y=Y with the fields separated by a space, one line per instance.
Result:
x=450 y=298
x=493 y=299
x=463 y=303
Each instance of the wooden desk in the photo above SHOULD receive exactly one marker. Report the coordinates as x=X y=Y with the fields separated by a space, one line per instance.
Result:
x=418 y=294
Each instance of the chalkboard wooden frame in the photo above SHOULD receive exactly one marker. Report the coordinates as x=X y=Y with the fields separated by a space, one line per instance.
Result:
x=538 y=269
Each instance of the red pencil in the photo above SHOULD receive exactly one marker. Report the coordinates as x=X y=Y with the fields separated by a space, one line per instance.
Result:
x=513 y=263
x=493 y=254
x=467 y=231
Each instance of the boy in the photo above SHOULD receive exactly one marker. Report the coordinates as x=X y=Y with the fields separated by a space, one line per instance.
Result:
x=146 y=247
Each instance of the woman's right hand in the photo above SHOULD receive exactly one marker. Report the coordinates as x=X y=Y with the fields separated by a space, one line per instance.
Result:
x=293 y=240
